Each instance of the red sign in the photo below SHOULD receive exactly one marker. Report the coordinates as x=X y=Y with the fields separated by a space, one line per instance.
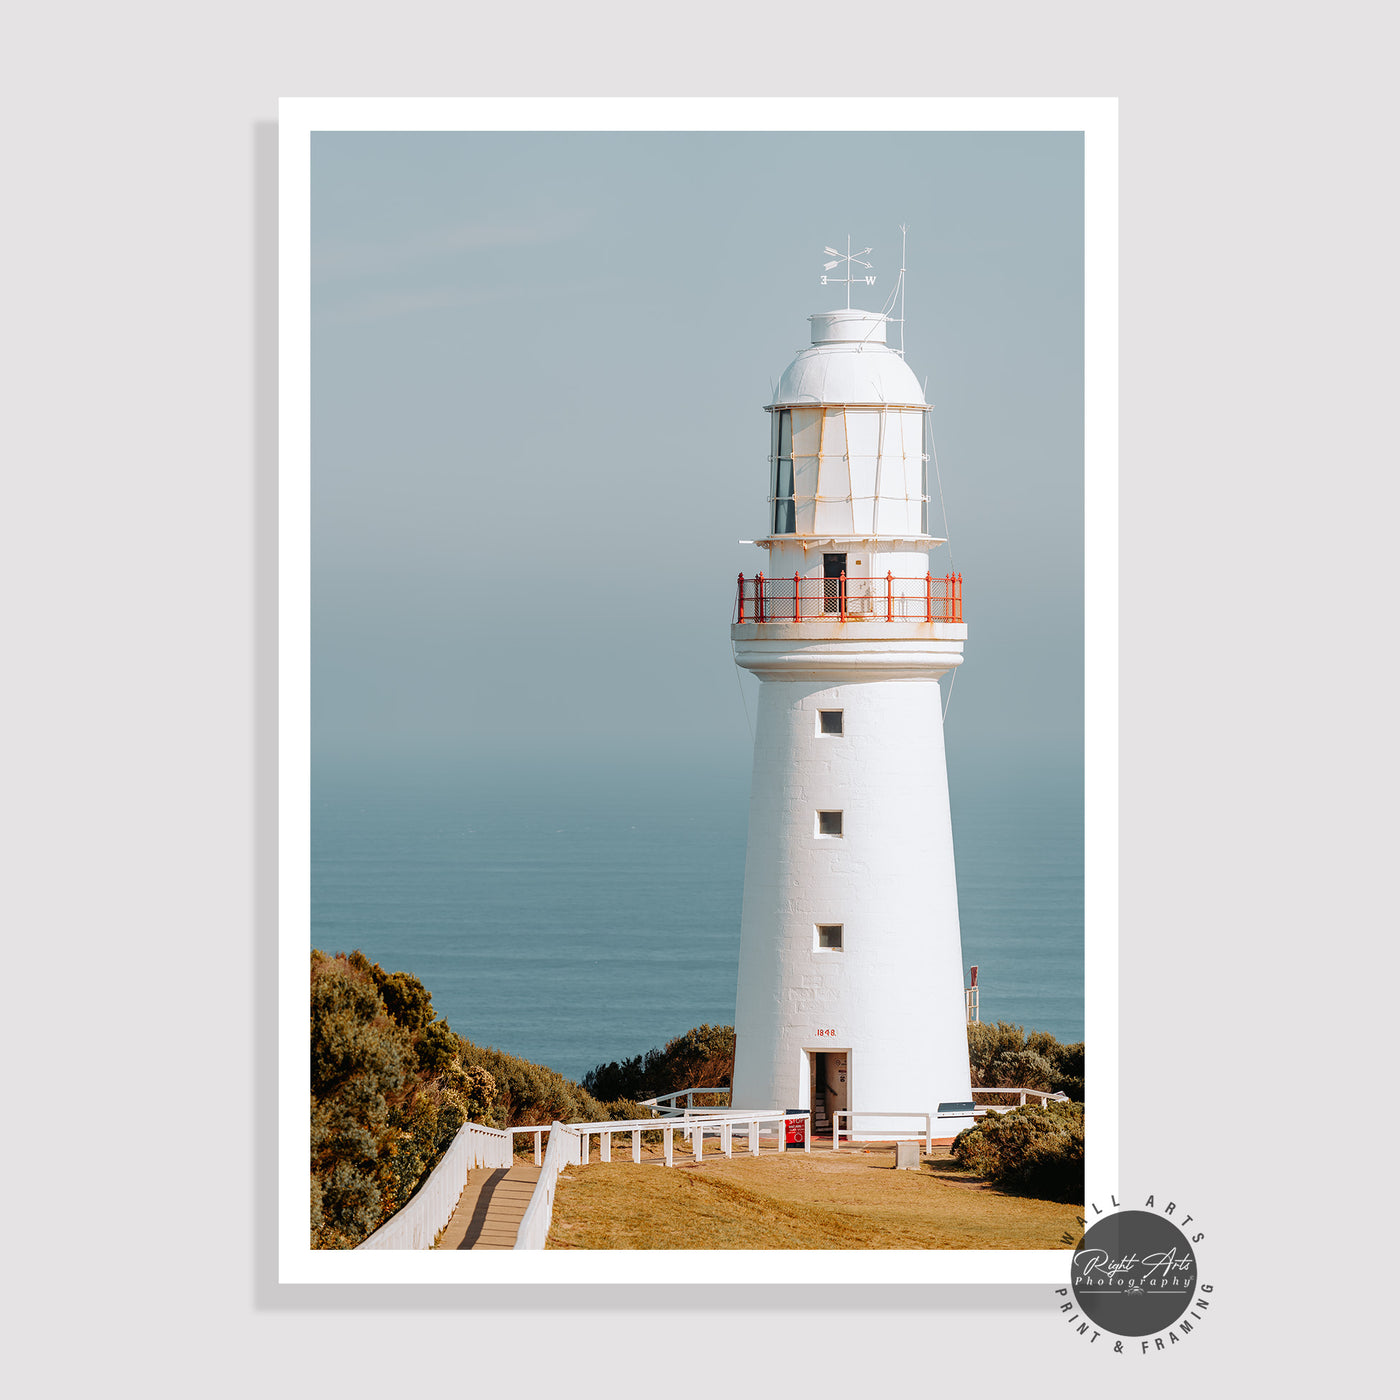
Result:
x=796 y=1129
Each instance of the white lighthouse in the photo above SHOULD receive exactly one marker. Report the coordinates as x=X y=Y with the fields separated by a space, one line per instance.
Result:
x=850 y=964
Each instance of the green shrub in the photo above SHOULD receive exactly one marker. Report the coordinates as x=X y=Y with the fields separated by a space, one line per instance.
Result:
x=359 y=1062
x=407 y=1000
x=1067 y=1062
x=987 y=1040
x=1022 y=1068
x=350 y=1207
x=475 y=1088
x=1003 y=1054
x=357 y=962
x=389 y=1092
x=529 y=1093
x=349 y=1035
x=415 y=1150
x=627 y=1110
x=619 y=1079
x=436 y=1048
x=1034 y=1151
x=703 y=1056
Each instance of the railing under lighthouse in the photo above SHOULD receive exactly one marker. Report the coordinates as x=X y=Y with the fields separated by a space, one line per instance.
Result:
x=844 y=599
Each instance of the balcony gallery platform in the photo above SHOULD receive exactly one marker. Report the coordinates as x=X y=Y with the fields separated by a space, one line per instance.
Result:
x=842 y=598
x=848 y=651
x=920 y=542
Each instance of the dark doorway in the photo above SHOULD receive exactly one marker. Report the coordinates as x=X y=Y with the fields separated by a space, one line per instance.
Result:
x=834 y=588
x=828 y=1070
x=821 y=1123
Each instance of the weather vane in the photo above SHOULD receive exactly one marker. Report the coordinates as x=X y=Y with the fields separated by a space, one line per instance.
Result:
x=848 y=258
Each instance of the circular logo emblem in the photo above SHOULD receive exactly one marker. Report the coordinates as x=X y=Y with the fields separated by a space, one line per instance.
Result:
x=1133 y=1273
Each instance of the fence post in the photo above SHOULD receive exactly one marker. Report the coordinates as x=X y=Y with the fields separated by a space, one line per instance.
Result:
x=796 y=599
x=836 y=1129
x=807 y=1135
x=753 y=1138
x=928 y=1134
x=928 y=596
x=669 y=1145
x=741 y=597
x=758 y=615
x=636 y=1144
x=782 y=1134
x=889 y=596
x=726 y=1138
x=537 y=1148
x=605 y=1145
x=842 y=586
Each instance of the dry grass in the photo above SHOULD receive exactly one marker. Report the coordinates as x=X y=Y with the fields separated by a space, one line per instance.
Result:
x=847 y=1200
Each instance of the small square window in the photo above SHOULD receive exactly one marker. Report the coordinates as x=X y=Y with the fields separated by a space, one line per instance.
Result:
x=829 y=824
x=831 y=721
x=831 y=936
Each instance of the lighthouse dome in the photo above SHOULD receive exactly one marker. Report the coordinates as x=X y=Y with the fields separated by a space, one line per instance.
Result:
x=848 y=362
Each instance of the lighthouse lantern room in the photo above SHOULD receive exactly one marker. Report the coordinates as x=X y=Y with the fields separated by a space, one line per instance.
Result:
x=850 y=994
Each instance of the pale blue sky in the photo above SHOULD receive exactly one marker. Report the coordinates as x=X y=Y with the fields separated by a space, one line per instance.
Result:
x=581 y=329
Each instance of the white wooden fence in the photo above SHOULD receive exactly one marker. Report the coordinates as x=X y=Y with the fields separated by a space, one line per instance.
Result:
x=697 y=1123
x=605 y=1133
x=416 y=1225
x=1040 y=1096
x=565 y=1149
x=568 y=1145
x=666 y=1105
x=850 y=1114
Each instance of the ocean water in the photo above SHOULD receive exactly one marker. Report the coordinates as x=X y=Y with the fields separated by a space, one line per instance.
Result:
x=580 y=911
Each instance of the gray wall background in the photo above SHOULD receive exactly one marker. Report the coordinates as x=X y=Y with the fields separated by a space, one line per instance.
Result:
x=1257 y=374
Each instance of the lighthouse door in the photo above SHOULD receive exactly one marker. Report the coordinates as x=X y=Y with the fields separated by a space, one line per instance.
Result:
x=829 y=1074
x=833 y=566
x=837 y=1099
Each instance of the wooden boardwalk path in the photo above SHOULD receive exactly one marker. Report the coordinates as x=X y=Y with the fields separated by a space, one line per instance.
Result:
x=490 y=1209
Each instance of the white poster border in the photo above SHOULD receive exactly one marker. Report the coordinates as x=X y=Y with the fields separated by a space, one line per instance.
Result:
x=299 y=118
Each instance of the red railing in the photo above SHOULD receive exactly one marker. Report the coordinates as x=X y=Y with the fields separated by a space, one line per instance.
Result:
x=843 y=599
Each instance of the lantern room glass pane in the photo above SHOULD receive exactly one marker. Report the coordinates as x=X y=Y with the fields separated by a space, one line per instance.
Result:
x=923 y=476
x=784 y=508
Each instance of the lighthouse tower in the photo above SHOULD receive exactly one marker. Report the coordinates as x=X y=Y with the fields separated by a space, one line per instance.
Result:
x=850 y=964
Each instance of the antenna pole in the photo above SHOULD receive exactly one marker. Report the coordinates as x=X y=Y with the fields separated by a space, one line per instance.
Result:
x=903 y=239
